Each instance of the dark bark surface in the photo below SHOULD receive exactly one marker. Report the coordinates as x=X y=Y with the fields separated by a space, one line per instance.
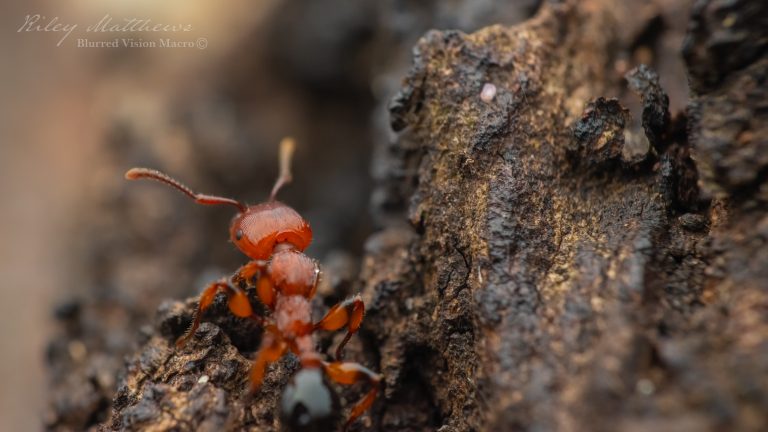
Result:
x=566 y=255
x=569 y=276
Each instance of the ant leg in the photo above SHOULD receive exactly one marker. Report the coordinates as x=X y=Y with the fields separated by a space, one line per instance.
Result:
x=206 y=298
x=238 y=304
x=272 y=348
x=348 y=373
x=244 y=276
x=266 y=292
x=264 y=287
x=350 y=313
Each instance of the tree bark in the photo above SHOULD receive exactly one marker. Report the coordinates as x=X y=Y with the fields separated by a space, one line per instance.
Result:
x=564 y=271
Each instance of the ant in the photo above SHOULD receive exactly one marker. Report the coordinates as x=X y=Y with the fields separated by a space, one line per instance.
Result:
x=274 y=237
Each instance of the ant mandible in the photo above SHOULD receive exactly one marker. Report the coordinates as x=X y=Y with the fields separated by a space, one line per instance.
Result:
x=274 y=236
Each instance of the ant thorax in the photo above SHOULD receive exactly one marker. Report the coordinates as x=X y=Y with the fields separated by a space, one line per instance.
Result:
x=293 y=316
x=293 y=273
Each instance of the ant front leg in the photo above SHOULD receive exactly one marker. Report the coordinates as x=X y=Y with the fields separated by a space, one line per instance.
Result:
x=238 y=304
x=246 y=274
x=348 y=373
x=255 y=273
x=350 y=312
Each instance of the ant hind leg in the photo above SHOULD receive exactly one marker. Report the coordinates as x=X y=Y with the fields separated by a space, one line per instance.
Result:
x=348 y=373
x=272 y=348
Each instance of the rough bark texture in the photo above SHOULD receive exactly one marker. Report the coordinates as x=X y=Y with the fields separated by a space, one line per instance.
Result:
x=569 y=256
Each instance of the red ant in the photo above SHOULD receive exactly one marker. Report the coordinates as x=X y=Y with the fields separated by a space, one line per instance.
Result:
x=274 y=237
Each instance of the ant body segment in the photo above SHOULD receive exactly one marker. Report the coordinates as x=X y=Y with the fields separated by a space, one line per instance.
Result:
x=274 y=237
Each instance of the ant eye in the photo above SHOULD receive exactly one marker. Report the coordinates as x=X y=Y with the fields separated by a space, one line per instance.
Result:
x=239 y=235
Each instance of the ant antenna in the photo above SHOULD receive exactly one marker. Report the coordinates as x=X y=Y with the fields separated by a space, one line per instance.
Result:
x=287 y=146
x=137 y=173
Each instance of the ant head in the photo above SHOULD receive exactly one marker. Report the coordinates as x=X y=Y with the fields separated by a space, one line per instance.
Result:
x=309 y=403
x=258 y=230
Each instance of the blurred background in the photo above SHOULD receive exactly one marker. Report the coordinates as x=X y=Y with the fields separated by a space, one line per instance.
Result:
x=86 y=258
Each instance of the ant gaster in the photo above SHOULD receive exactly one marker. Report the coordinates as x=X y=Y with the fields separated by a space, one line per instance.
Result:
x=274 y=236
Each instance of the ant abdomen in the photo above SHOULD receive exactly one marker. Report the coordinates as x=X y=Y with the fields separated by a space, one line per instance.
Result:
x=309 y=404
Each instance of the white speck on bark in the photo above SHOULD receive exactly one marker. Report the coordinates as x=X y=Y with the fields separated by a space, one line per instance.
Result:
x=488 y=93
